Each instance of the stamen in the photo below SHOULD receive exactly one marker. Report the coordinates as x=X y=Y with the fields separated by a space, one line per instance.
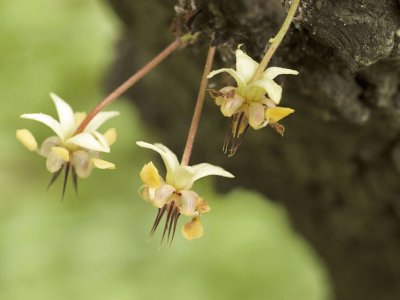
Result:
x=166 y=226
x=54 y=178
x=176 y=217
x=159 y=216
x=65 y=180
x=75 y=180
x=235 y=133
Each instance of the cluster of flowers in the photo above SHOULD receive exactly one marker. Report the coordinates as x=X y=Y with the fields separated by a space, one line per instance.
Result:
x=253 y=102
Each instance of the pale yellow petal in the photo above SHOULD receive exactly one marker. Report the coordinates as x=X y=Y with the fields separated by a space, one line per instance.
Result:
x=193 y=229
x=202 y=206
x=82 y=162
x=275 y=114
x=162 y=195
x=231 y=105
x=256 y=115
x=245 y=65
x=27 y=139
x=111 y=136
x=272 y=72
x=54 y=161
x=79 y=117
x=273 y=89
x=48 y=144
x=65 y=115
x=239 y=80
x=187 y=205
x=61 y=152
x=183 y=178
x=103 y=164
x=150 y=176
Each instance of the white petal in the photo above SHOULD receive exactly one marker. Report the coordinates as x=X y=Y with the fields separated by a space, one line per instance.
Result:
x=48 y=144
x=27 y=139
x=272 y=72
x=87 y=141
x=100 y=119
x=204 y=169
x=188 y=205
x=103 y=164
x=170 y=160
x=102 y=140
x=239 y=80
x=273 y=89
x=54 y=162
x=231 y=105
x=65 y=114
x=46 y=120
x=245 y=65
x=256 y=115
x=82 y=162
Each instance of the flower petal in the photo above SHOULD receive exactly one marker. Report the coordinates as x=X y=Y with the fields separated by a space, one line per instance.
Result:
x=256 y=114
x=272 y=72
x=150 y=176
x=48 y=144
x=87 y=141
x=79 y=117
x=65 y=114
x=183 y=178
x=273 y=89
x=239 y=80
x=202 y=206
x=102 y=140
x=103 y=164
x=82 y=162
x=111 y=136
x=245 y=65
x=187 y=205
x=46 y=120
x=231 y=105
x=162 y=194
x=61 y=152
x=99 y=120
x=170 y=160
x=27 y=139
x=193 y=229
x=275 y=114
x=204 y=169
x=54 y=161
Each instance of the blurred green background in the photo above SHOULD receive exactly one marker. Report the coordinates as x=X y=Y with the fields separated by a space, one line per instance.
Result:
x=93 y=246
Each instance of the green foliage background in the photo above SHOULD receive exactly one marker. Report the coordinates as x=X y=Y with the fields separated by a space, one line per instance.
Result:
x=93 y=246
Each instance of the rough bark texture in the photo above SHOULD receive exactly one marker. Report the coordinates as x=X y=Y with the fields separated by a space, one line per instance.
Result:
x=338 y=168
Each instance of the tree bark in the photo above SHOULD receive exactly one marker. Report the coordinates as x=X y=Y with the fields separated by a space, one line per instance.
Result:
x=337 y=170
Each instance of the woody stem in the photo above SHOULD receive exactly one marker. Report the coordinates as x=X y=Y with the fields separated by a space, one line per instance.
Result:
x=276 y=41
x=198 y=108
x=129 y=83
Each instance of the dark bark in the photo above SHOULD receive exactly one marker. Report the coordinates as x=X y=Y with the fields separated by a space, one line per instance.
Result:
x=337 y=170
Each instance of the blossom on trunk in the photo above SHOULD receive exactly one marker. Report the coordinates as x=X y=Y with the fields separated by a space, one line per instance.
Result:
x=78 y=153
x=252 y=102
x=173 y=195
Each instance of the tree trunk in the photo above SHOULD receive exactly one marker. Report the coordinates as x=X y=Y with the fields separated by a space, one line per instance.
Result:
x=337 y=170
